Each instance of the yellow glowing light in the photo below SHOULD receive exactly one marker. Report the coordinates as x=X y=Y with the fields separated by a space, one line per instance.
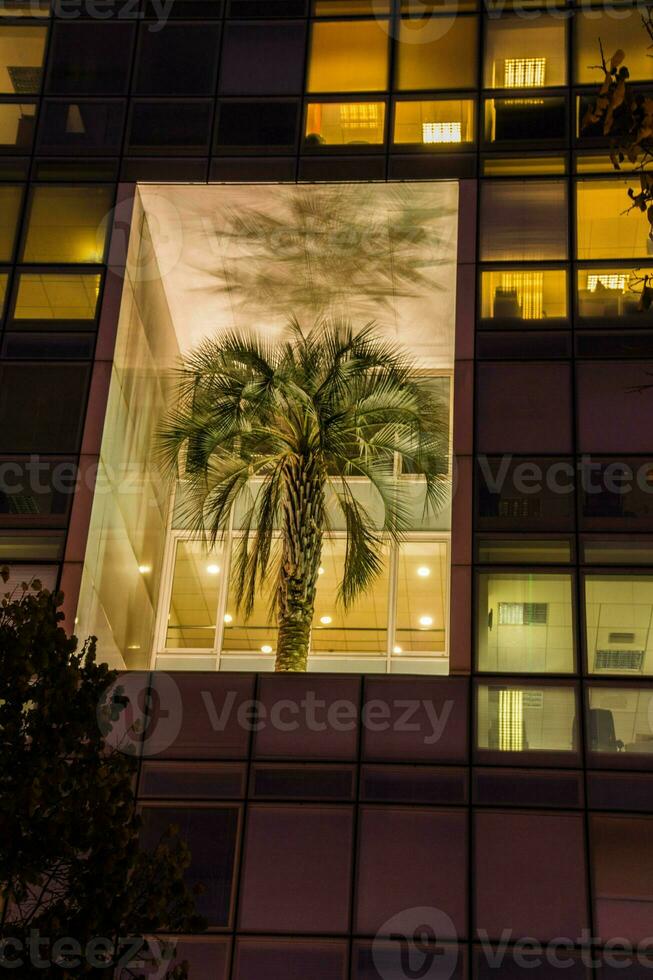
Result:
x=426 y=621
x=423 y=571
x=524 y=72
x=359 y=115
x=266 y=648
x=320 y=571
x=397 y=650
x=611 y=281
x=228 y=618
x=442 y=132
x=529 y=287
x=511 y=721
x=144 y=569
x=213 y=569
x=325 y=620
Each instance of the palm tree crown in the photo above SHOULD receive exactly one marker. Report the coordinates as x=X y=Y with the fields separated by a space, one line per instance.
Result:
x=279 y=428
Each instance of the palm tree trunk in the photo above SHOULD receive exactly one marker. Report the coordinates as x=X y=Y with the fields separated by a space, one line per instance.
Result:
x=302 y=529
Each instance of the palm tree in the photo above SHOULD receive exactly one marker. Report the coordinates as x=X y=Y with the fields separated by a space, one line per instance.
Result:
x=302 y=415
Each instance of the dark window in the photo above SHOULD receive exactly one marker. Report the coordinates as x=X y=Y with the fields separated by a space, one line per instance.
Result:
x=259 y=124
x=42 y=407
x=277 y=958
x=90 y=58
x=182 y=126
x=622 y=862
x=517 y=120
x=520 y=494
x=36 y=498
x=178 y=60
x=615 y=400
x=90 y=127
x=524 y=407
x=263 y=59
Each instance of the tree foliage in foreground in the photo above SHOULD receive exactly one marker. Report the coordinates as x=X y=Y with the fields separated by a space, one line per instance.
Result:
x=71 y=869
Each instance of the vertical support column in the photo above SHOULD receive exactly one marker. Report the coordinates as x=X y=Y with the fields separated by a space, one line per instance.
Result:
x=460 y=638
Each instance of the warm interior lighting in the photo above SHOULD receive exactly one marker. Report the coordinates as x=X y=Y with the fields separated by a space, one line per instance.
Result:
x=426 y=621
x=320 y=571
x=266 y=648
x=423 y=571
x=614 y=280
x=524 y=72
x=228 y=618
x=441 y=132
x=213 y=569
x=397 y=650
x=144 y=569
x=325 y=620
x=529 y=287
x=359 y=115
x=511 y=721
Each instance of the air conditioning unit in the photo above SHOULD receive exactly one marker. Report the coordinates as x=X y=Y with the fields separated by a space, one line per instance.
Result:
x=621 y=660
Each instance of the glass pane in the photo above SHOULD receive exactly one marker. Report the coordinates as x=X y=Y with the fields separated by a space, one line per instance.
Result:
x=92 y=58
x=604 y=230
x=10 y=198
x=618 y=624
x=184 y=126
x=422 y=590
x=360 y=629
x=257 y=634
x=525 y=54
x=622 y=862
x=434 y=122
x=90 y=127
x=263 y=59
x=514 y=718
x=42 y=407
x=523 y=550
x=624 y=31
x=68 y=224
x=261 y=124
x=618 y=551
x=338 y=123
x=4 y=279
x=525 y=623
x=620 y=720
x=196 y=583
x=25 y=8
x=534 y=294
x=56 y=296
x=17 y=125
x=180 y=60
x=21 y=59
x=349 y=56
x=611 y=293
x=437 y=53
x=531 y=119
x=517 y=166
x=523 y=220
x=349 y=8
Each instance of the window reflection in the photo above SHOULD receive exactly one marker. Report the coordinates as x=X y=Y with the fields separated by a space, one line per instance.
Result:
x=515 y=718
x=525 y=623
x=619 y=624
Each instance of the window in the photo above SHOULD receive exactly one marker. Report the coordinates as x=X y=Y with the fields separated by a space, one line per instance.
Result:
x=515 y=551
x=340 y=123
x=619 y=624
x=4 y=279
x=349 y=56
x=434 y=124
x=517 y=412
x=611 y=408
x=523 y=220
x=255 y=635
x=158 y=126
x=17 y=120
x=520 y=120
x=288 y=958
x=31 y=499
x=68 y=224
x=263 y=59
x=195 y=592
x=25 y=8
x=622 y=865
x=524 y=296
x=610 y=293
x=257 y=124
x=507 y=501
x=437 y=54
x=10 y=201
x=90 y=59
x=21 y=59
x=42 y=406
x=617 y=550
x=350 y=8
x=619 y=721
x=525 y=54
x=617 y=493
x=525 y=718
x=422 y=599
x=525 y=623
x=91 y=127
x=180 y=60
x=604 y=230
x=57 y=296
x=624 y=31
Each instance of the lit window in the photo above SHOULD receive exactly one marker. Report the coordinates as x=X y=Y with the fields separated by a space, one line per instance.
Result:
x=433 y=122
x=618 y=614
x=349 y=56
x=17 y=125
x=608 y=281
x=525 y=623
x=4 y=279
x=10 y=198
x=528 y=718
x=21 y=59
x=619 y=720
x=524 y=72
x=337 y=123
x=444 y=61
x=194 y=600
x=613 y=292
x=422 y=584
x=56 y=296
x=68 y=224
x=606 y=228
x=622 y=31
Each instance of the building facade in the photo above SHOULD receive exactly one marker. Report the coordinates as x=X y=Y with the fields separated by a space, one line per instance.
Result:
x=131 y=133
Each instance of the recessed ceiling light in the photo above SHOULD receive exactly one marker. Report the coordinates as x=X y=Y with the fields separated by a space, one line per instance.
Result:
x=423 y=571
x=397 y=650
x=228 y=618
x=266 y=648
x=426 y=620
x=134 y=646
x=144 y=569
x=325 y=620
x=213 y=569
x=320 y=571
